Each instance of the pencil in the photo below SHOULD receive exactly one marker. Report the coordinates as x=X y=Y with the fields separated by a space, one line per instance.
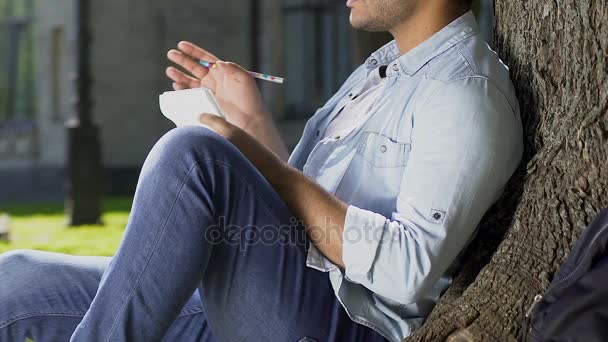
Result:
x=257 y=75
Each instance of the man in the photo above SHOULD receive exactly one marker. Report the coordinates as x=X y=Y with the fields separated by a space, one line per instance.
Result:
x=352 y=238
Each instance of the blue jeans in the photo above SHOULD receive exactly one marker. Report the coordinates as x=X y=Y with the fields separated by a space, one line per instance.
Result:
x=211 y=253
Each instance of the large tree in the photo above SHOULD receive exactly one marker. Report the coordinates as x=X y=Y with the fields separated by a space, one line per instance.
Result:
x=558 y=55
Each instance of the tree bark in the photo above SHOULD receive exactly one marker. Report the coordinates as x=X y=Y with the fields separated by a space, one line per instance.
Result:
x=84 y=170
x=558 y=55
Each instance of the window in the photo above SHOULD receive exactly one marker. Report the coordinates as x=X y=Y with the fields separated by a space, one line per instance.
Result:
x=16 y=60
x=318 y=52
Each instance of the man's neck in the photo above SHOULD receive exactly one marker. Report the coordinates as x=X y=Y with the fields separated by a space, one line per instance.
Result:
x=422 y=24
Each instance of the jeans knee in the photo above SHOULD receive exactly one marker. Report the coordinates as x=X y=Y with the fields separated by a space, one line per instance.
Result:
x=18 y=270
x=14 y=259
x=188 y=145
x=190 y=138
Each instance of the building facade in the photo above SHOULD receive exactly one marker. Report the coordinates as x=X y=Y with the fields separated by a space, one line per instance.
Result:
x=309 y=42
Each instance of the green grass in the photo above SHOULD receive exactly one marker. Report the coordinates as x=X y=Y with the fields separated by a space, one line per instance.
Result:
x=42 y=227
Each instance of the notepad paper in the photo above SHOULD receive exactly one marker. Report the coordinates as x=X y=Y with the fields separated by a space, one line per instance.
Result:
x=184 y=107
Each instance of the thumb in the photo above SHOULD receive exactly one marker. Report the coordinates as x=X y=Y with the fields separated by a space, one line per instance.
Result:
x=218 y=124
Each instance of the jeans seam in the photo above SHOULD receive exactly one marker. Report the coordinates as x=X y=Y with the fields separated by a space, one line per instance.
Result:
x=196 y=165
x=190 y=312
x=162 y=232
x=16 y=318
x=249 y=187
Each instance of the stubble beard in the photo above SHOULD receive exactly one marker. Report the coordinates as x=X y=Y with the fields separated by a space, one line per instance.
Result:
x=383 y=15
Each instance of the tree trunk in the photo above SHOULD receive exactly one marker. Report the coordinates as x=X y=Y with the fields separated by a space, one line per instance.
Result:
x=558 y=55
x=84 y=177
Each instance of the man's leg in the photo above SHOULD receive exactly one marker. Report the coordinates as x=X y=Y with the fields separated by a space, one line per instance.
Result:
x=197 y=198
x=44 y=296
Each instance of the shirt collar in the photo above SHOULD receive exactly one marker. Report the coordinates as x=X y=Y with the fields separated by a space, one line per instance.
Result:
x=412 y=61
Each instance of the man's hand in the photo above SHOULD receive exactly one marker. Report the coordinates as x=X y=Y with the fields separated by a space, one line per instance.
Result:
x=322 y=213
x=233 y=86
x=235 y=89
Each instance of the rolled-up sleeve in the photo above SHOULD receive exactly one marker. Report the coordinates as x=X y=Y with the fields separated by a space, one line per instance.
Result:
x=466 y=143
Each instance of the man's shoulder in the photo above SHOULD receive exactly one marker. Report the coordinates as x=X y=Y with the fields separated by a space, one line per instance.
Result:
x=470 y=59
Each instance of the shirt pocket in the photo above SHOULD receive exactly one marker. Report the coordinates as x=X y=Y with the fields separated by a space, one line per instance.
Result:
x=382 y=151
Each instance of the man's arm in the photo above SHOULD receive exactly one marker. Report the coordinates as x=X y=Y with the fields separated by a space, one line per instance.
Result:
x=321 y=212
x=263 y=129
x=465 y=146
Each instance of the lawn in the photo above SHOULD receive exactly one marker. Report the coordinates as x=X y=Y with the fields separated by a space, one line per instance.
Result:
x=42 y=227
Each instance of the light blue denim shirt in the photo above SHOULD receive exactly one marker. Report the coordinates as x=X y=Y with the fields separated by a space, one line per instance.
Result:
x=418 y=174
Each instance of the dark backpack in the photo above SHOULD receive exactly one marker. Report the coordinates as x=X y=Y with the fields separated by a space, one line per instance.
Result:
x=575 y=306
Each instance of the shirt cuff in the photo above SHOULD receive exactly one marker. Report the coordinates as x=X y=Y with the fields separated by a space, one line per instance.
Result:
x=316 y=260
x=363 y=233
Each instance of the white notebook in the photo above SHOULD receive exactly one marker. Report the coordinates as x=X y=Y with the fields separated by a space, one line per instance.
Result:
x=184 y=107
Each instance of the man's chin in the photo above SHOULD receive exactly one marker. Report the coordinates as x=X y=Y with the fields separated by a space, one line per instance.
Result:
x=358 y=23
x=364 y=25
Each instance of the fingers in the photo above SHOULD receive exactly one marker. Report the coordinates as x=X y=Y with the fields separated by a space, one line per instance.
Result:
x=181 y=78
x=187 y=63
x=179 y=86
x=196 y=52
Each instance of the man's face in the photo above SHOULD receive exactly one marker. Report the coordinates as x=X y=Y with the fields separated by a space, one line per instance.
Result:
x=378 y=15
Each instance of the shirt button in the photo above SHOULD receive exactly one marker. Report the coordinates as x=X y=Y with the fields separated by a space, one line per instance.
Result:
x=395 y=67
x=318 y=132
x=383 y=148
x=374 y=61
x=437 y=216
